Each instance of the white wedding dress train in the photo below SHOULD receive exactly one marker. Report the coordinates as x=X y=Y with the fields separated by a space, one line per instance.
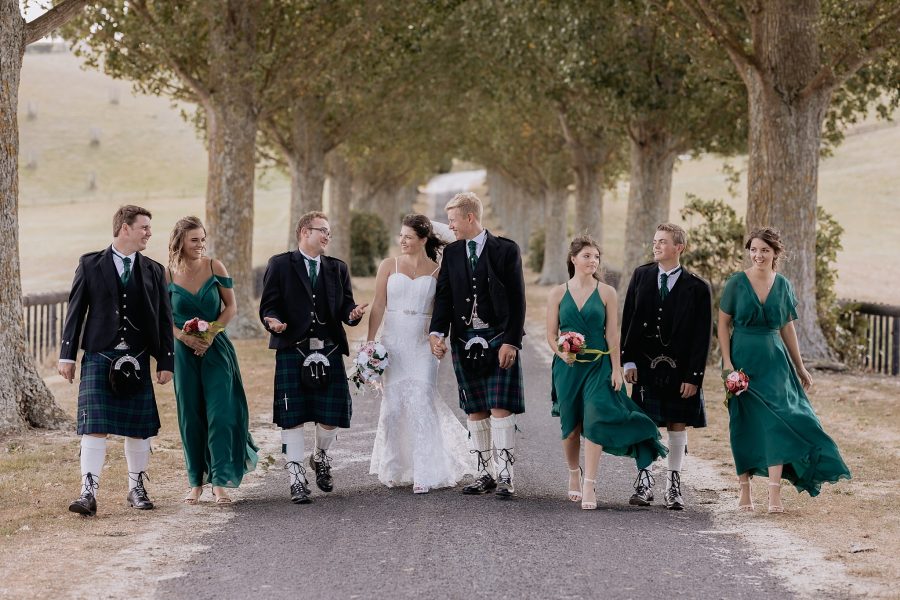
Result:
x=419 y=440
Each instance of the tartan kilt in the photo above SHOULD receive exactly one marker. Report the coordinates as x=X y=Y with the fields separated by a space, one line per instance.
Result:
x=102 y=411
x=502 y=388
x=295 y=405
x=666 y=407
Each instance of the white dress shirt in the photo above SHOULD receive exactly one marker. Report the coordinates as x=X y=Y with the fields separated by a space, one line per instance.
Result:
x=117 y=260
x=479 y=248
x=317 y=260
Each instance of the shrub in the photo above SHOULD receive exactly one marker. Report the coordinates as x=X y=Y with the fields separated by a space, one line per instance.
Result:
x=369 y=241
x=715 y=248
x=536 y=251
x=843 y=327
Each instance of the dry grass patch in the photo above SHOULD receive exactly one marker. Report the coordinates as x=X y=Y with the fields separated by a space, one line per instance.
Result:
x=39 y=476
x=852 y=522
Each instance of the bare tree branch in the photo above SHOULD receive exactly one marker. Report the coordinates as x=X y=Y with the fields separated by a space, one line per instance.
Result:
x=52 y=19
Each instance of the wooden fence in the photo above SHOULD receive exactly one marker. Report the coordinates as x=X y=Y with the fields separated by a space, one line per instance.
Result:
x=45 y=313
x=882 y=337
x=44 y=316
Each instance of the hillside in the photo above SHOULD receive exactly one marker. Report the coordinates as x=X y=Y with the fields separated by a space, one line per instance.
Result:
x=148 y=154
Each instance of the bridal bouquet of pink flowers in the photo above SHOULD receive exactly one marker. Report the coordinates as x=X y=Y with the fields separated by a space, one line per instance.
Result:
x=205 y=330
x=370 y=363
x=571 y=342
x=736 y=383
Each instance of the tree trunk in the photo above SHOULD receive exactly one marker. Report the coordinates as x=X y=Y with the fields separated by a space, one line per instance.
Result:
x=517 y=212
x=340 y=194
x=231 y=131
x=653 y=156
x=785 y=139
x=307 y=165
x=556 y=236
x=24 y=398
x=588 y=201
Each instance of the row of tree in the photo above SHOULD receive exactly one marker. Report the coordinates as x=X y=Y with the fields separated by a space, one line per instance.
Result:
x=374 y=96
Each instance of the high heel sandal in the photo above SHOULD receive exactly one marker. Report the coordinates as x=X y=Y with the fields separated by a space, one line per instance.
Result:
x=222 y=497
x=575 y=495
x=585 y=505
x=773 y=508
x=191 y=499
x=745 y=507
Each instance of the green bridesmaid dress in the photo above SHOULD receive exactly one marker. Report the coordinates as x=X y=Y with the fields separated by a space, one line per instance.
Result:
x=212 y=408
x=583 y=392
x=773 y=423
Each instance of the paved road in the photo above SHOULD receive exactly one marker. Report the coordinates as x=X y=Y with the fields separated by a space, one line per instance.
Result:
x=367 y=541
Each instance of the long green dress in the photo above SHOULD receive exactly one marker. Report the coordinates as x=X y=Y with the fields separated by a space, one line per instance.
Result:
x=583 y=392
x=772 y=422
x=212 y=407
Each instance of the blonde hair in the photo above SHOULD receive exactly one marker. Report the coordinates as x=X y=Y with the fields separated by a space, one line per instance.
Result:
x=678 y=234
x=176 y=240
x=466 y=203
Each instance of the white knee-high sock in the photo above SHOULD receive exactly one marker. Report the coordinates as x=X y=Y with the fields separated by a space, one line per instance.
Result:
x=505 y=441
x=324 y=438
x=137 y=456
x=480 y=432
x=93 y=455
x=677 y=443
x=294 y=444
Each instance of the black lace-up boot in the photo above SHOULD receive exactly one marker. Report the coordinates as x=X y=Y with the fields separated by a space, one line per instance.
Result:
x=643 y=489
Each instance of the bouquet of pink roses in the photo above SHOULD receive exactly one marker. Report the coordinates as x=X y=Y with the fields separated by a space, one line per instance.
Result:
x=370 y=363
x=205 y=330
x=571 y=342
x=736 y=383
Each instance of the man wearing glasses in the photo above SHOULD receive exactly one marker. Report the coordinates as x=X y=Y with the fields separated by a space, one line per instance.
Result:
x=306 y=296
x=666 y=329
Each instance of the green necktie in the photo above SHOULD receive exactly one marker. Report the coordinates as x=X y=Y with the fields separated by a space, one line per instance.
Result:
x=126 y=271
x=312 y=271
x=663 y=285
x=473 y=255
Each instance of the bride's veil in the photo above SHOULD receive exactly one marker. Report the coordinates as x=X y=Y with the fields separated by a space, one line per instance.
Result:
x=442 y=230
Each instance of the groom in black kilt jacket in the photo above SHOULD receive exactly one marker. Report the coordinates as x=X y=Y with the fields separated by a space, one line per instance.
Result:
x=666 y=330
x=306 y=297
x=480 y=303
x=119 y=314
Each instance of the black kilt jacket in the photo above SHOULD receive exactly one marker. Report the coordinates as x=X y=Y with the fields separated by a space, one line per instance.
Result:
x=498 y=283
x=92 y=319
x=287 y=296
x=689 y=325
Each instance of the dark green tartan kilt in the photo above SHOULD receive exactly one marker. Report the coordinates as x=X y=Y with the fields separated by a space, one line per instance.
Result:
x=664 y=406
x=102 y=411
x=501 y=388
x=295 y=405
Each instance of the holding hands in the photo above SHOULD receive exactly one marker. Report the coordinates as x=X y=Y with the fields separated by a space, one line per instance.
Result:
x=438 y=346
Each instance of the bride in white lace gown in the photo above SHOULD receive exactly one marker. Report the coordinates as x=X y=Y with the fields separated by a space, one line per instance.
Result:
x=419 y=440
